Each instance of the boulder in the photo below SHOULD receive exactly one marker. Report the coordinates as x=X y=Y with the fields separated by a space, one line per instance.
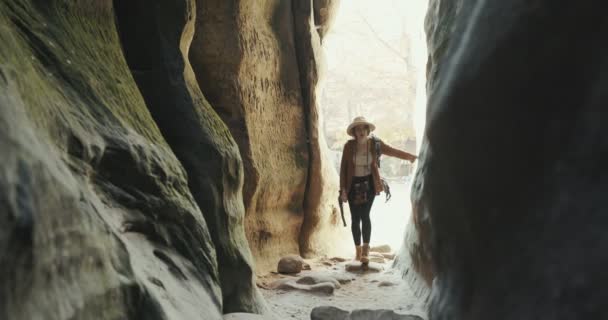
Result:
x=364 y=314
x=318 y=278
x=290 y=264
x=385 y=248
x=291 y=284
x=338 y=259
x=356 y=266
x=388 y=256
x=246 y=316
x=329 y=313
x=386 y=284
x=377 y=259
x=333 y=313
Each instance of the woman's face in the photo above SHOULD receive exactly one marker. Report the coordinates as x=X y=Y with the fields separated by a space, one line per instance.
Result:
x=361 y=132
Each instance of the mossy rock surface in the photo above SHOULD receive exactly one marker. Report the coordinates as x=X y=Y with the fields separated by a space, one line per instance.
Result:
x=97 y=218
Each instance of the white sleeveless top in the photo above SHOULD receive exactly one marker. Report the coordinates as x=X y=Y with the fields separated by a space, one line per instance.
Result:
x=363 y=165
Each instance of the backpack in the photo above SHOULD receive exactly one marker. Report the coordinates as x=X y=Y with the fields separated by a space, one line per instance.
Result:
x=387 y=188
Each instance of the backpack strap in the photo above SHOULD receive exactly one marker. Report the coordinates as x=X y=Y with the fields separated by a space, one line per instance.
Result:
x=376 y=142
x=385 y=186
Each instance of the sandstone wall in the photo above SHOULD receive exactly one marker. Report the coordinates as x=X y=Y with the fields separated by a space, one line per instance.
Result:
x=509 y=195
x=124 y=194
x=101 y=186
x=162 y=33
x=322 y=231
x=325 y=12
x=249 y=65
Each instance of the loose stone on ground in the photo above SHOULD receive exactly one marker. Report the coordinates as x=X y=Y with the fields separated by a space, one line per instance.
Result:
x=357 y=266
x=292 y=264
x=385 y=248
x=333 y=313
x=372 y=292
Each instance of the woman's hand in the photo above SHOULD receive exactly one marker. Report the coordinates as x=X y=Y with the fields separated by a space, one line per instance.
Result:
x=343 y=196
x=413 y=158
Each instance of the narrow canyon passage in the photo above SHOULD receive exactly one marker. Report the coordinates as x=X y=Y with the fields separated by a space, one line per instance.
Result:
x=332 y=282
x=178 y=159
x=376 y=55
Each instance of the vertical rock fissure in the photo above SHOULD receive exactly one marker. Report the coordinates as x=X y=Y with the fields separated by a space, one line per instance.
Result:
x=303 y=54
x=198 y=137
x=320 y=233
x=244 y=59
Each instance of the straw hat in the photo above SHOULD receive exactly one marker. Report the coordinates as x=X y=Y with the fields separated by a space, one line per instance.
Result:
x=358 y=121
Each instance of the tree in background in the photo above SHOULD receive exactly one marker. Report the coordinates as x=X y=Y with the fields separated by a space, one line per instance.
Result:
x=372 y=71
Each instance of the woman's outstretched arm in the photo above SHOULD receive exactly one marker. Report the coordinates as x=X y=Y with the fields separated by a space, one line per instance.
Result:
x=393 y=152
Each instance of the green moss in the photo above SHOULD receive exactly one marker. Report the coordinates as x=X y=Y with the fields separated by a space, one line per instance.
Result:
x=72 y=77
x=71 y=67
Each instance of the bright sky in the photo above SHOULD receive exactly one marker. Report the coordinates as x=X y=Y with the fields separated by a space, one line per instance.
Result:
x=388 y=17
x=355 y=54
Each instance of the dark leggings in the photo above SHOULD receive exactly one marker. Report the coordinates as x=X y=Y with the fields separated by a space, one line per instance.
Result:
x=360 y=213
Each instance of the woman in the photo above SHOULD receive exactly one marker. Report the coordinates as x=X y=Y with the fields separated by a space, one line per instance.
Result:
x=360 y=180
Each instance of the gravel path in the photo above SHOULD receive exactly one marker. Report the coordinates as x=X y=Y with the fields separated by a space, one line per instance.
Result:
x=383 y=290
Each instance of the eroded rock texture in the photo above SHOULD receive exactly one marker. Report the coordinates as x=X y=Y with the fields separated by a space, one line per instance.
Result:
x=325 y=12
x=96 y=216
x=249 y=66
x=509 y=198
x=244 y=58
x=156 y=41
x=415 y=258
x=122 y=189
x=321 y=231
x=101 y=189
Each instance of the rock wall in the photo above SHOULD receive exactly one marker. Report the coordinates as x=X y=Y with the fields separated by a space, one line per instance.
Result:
x=244 y=58
x=509 y=195
x=325 y=12
x=247 y=61
x=96 y=216
x=125 y=193
x=321 y=232
x=162 y=33
x=441 y=27
x=104 y=177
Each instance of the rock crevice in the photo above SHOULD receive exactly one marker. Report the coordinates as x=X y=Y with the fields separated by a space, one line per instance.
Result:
x=199 y=138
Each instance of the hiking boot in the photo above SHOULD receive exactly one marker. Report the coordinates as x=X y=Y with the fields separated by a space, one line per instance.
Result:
x=365 y=253
x=357 y=253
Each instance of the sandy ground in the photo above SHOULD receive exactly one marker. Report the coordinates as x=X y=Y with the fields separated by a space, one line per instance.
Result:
x=388 y=226
x=363 y=292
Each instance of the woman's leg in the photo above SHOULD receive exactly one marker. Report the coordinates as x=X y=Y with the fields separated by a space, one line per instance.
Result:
x=355 y=217
x=366 y=221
